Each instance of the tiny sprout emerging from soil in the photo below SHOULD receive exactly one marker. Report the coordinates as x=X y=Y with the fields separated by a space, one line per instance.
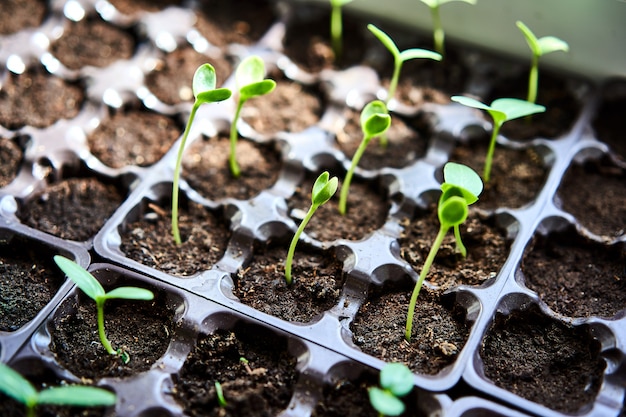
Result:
x=204 y=91
x=94 y=290
x=250 y=82
x=375 y=120
x=461 y=188
x=220 y=395
x=323 y=190
x=21 y=390
x=438 y=33
x=336 y=26
x=538 y=47
x=501 y=110
x=396 y=381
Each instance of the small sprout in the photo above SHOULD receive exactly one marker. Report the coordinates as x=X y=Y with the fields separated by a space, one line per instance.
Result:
x=220 y=395
x=375 y=121
x=501 y=110
x=21 y=390
x=396 y=381
x=90 y=286
x=336 y=26
x=438 y=33
x=323 y=190
x=461 y=188
x=203 y=86
x=250 y=82
x=538 y=47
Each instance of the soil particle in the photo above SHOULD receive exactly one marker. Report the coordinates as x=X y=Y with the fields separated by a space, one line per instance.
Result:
x=16 y=15
x=10 y=159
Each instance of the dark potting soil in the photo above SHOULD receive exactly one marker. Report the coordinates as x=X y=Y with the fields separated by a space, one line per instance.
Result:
x=91 y=41
x=149 y=240
x=438 y=335
x=28 y=281
x=367 y=211
x=36 y=98
x=576 y=277
x=595 y=194
x=226 y=22
x=517 y=176
x=21 y=14
x=609 y=123
x=135 y=6
x=404 y=144
x=543 y=360
x=171 y=79
x=256 y=372
x=316 y=286
x=75 y=208
x=142 y=329
x=206 y=169
x=487 y=249
x=133 y=137
x=10 y=159
x=349 y=398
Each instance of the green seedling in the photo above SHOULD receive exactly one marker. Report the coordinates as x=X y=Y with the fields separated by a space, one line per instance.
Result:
x=250 y=82
x=461 y=188
x=538 y=47
x=204 y=91
x=21 y=390
x=375 y=121
x=90 y=286
x=501 y=110
x=336 y=26
x=323 y=190
x=399 y=58
x=396 y=381
x=438 y=33
x=220 y=395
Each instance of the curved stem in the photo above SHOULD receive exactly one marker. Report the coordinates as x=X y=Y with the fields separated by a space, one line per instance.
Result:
x=343 y=199
x=232 y=158
x=177 y=171
x=101 y=333
x=490 y=151
x=294 y=242
x=418 y=285
x=459 y=243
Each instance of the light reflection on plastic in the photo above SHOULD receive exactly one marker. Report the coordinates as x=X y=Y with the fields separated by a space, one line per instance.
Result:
x=106 y=10
x=15 y=64
x=165 y=41
x=40 y=40
x=112 y=98
x=51 y=63
x=73 y=11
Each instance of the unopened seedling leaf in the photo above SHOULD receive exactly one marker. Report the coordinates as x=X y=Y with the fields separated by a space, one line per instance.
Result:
x=463 y=177
x=385 y=402
x=375 y=119
x=323 y=189
x=397 y=378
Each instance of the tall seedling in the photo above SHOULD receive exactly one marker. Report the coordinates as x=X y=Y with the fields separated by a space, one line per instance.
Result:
x=538 y=47
x=438 y=33
x=461 y=188
x=204 y=91
x=336 y=26
x=250 y=82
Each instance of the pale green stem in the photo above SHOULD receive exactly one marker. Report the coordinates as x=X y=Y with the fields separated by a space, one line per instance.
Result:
x=177 y=171
x=294 y=242
x=30 y=410
x=438 y=33
x=490 y=151
x=103 y=336
x=418 y=285
x=533 y=79
x=335 y=31
x=232 y=158
x=343 y=199
x=459 y=243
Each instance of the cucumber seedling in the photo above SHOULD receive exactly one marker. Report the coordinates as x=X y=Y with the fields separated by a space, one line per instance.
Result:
x=336 y=26
x=375 y=121
x=460 y=189
x=323 y=190
x=204 y=91
x=396 y=381
x=94 y=290
x=250 y=82
x=538 y=47
x=438 y=33
x=21 y=390
x=501 y=110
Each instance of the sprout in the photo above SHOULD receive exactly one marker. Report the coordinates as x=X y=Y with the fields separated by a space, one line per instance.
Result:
x=250 y=82
x=461 y=187
x=438 y=33
x=90 y=286
x=375 y=121
x=538 y=47
x=204 y=91
x=21 y=390
x=336 y=26
x=219 y=392
x=322 y=191
x=396 y=380
x=501 y=110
